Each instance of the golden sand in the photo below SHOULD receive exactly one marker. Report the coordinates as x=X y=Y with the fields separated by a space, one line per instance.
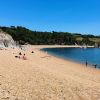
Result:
x=44 y=77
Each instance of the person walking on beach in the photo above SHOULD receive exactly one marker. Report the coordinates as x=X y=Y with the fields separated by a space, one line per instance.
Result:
x=86 y=63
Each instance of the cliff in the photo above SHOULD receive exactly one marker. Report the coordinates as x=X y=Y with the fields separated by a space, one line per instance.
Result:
x=6 y=40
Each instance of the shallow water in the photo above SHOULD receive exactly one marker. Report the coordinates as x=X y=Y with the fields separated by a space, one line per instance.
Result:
x=92 y=55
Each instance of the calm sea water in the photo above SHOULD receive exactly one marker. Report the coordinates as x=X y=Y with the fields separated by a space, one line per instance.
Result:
x=92 y=55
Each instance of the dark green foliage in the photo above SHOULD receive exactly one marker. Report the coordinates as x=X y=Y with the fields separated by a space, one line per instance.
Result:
x=23 y=35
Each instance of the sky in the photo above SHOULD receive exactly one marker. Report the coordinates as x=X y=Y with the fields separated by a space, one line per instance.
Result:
x=78 y=16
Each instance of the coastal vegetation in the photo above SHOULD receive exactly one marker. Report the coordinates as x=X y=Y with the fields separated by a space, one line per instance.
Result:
x=23 y=35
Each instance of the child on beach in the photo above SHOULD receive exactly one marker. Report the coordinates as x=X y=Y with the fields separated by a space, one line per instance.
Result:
x=24 y=57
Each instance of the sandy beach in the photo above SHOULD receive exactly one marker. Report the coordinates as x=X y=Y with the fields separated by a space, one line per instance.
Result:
x=44 y=77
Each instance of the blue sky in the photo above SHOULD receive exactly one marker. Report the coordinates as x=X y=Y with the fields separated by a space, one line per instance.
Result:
x=82 y=16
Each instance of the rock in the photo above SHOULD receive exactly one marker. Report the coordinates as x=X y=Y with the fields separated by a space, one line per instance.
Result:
x=6 y=40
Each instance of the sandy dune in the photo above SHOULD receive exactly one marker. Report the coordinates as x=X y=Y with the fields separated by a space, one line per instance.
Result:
x=44 y=77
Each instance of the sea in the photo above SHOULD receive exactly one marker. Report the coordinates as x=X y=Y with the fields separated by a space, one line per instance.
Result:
x=79 y=55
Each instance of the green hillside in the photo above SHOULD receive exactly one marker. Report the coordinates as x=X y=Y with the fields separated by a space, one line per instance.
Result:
x=24 y=35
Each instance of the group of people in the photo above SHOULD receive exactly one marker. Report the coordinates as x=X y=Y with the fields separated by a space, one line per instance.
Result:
x=95 y=65
x=22 y=56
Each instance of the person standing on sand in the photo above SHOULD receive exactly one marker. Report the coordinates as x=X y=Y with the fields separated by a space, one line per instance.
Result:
x=86 y=63
x=95 y=66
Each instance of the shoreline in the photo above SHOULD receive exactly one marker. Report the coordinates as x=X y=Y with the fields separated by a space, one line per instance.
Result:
x=40 y=47
x=58 y=59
